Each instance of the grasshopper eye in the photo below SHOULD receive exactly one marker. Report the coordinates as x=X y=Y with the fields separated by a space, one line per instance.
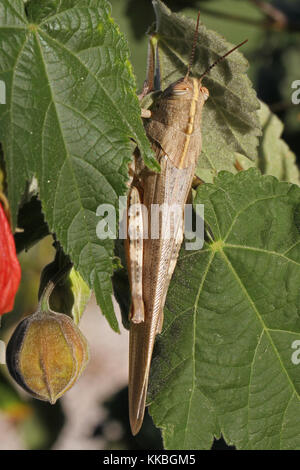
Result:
x=179 y=91
x=180 y=88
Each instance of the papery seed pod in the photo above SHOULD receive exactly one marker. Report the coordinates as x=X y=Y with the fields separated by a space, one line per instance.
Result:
x=47 y=352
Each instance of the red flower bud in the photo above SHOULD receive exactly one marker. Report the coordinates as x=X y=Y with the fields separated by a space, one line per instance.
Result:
x=10 y=270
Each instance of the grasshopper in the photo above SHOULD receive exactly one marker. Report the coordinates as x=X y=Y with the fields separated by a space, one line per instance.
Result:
x=173 y=127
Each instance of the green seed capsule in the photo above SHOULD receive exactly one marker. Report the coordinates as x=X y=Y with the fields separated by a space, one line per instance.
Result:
x=47 y=352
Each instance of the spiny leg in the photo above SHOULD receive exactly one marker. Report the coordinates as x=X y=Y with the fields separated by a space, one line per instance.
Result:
x=135 y=255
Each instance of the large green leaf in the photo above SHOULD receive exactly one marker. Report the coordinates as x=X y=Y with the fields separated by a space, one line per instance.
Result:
x=70 y=114
x=275 y=157
x=230 y=121
x=233 y=312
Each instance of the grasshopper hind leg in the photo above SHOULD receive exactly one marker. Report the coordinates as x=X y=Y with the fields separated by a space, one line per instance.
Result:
x=135 y=255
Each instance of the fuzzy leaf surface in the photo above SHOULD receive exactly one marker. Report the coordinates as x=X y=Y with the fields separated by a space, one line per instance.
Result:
x=233 y=312
x=70 y=114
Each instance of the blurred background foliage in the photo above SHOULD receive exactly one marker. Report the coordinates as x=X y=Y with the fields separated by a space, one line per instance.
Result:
x=273 y=52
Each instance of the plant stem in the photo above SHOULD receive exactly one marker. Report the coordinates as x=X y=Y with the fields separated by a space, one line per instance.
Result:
x=44 y=300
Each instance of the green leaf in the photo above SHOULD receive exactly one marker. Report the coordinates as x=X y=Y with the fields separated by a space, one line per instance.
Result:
x=233 y=313
x=71 y=113
x=81 y=293
x=275 y=157
x=230 y=121
x=9 y=399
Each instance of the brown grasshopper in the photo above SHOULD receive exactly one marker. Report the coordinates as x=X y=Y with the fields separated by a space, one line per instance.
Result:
x=174 y=130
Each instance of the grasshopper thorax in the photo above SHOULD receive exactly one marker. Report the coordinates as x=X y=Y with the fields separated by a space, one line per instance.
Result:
x=176 y=121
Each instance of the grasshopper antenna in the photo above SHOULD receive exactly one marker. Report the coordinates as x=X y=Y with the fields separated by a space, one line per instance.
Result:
x=221 y=58
x=193 y=48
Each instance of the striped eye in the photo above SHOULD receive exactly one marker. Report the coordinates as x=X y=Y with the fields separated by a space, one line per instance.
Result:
x=180 y=88
x=179 y=92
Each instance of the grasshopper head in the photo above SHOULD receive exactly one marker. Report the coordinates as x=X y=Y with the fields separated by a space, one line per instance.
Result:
x=184 y=89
